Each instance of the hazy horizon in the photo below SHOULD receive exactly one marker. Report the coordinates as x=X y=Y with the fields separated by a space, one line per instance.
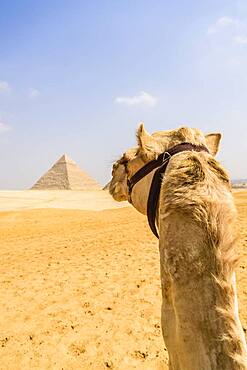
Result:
x=77 y=78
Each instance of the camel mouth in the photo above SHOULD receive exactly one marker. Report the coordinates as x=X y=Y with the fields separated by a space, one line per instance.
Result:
x=118 y=197
x=116 y=194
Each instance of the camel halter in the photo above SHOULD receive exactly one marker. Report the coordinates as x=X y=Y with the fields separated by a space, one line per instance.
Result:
x=161 y=164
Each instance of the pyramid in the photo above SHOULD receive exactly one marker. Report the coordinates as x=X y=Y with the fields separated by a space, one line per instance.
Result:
x=65 y=175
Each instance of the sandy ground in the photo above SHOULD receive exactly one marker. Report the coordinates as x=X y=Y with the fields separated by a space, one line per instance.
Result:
x=81 y=289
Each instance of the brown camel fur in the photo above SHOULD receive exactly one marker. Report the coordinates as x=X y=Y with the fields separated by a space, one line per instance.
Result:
x=196 y=219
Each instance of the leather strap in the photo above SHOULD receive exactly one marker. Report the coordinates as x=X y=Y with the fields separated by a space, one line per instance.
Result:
x=153 y=197
x=161 y=163
x=154 y=191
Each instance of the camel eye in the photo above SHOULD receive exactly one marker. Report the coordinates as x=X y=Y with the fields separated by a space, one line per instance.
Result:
x=126 y=166
x=124 y=162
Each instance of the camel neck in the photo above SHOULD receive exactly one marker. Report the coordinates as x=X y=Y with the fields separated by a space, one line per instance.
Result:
x=197 y=244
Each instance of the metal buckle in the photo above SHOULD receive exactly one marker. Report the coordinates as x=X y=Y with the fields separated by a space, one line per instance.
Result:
x=165 y=159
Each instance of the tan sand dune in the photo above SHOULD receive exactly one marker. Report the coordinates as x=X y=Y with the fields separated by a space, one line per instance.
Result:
x=81 y=289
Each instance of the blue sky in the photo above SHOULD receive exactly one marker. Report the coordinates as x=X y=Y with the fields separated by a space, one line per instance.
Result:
x=76 y=77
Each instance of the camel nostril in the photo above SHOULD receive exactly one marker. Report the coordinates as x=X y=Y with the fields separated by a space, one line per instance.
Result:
x=117 y=188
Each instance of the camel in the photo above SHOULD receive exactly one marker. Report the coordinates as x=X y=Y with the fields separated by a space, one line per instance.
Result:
x=196 y=220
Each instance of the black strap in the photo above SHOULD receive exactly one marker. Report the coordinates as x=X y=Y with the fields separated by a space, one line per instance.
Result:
x=154 y=191
x=150 y=166
x=145 y=170
x=153 y=197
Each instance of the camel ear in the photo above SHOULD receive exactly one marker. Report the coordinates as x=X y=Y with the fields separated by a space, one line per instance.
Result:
x=148 y=145
x=213 y=142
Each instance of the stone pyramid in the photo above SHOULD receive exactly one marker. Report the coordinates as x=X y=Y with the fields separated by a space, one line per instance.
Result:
x=66 y=175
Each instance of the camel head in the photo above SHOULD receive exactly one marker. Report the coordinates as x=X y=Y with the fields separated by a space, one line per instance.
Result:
x=149 y=147
x=120 y=171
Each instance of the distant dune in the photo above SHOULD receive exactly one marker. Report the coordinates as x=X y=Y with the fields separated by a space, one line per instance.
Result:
x=239 y=184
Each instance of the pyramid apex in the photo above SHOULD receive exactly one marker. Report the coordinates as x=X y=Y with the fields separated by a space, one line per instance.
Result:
x=65 y=159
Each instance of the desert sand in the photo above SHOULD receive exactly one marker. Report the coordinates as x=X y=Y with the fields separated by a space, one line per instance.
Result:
x=80 y=285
